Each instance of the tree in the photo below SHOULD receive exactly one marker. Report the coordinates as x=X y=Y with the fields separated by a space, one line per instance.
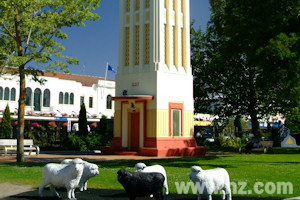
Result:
x=30 y=31
x=6 y=127
x=247 y=62
x=83 y=130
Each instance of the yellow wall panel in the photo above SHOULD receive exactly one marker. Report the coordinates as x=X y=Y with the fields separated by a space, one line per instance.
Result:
x=151 y=123
x=162 y=123
x=117 y=123
x=188 y=123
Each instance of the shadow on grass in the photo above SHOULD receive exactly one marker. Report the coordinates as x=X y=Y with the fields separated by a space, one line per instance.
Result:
x=184 y=162
x=105 y=194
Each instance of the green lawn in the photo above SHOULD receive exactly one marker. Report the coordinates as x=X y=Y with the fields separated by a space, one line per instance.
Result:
x=247 y=168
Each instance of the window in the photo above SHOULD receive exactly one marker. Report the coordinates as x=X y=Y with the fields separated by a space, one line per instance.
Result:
x=72 y=98
x=147 y=3
x=13 y=94
x=90 y=102
x=137 y=45
x=176 y=122
x=6 y=93
x=127 y=46
x=137 y=4
x=37 y=99
x=46 y=99
x=147 y=44
x=28 y=97
x=81 y=100
x=1 y=93
x=175 y=119
x=127 y=5
x=66 y=98
x=108 y=102
x=61 y=98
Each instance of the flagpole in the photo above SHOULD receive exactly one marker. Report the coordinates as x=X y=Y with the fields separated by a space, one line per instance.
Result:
x=105 y=79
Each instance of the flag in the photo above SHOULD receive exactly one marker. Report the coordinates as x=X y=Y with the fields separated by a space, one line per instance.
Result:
x=110 y=68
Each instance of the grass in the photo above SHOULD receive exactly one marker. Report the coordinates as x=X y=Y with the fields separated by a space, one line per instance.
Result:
x=248 y=168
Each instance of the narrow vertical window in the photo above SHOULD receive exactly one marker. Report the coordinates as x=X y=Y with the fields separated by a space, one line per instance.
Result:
x=37 y=99
x=147 y=3
x=137 y=45
x=127 y=5
x=174 y=46
x=61 y=98
x=127 y=46
x=166 y=3
x=90 y=102
x=46 y=98
x=108 y=102
x=28 y=97
x=137 y=4
x=6 y=93
x=66 y=98
x=71 y=98
x=175 y=119
x=81 y=100
x=1 y=93
x=147 y=44
x=174 y=4
x=183 y=63
x=176 y=122
x=13 y=94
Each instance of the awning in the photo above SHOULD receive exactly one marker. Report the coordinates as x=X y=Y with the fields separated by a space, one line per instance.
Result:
x=202 y=123
x=133 y=97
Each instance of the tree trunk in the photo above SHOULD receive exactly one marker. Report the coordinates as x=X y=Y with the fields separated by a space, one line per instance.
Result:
x=21 y=110
x=21 y=113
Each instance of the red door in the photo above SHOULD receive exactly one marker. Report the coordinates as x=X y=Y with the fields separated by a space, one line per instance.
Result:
x=135 y=131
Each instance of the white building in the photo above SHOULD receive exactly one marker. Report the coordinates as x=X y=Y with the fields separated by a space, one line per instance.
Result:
x=60 y=97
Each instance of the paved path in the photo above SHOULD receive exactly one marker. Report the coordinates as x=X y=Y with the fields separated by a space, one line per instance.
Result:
x=57 y=156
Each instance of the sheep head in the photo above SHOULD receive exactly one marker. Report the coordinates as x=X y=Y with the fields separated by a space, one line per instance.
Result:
x=139 y=167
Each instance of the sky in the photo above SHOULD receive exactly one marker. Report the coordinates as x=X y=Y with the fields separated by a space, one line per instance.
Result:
x=97 y=43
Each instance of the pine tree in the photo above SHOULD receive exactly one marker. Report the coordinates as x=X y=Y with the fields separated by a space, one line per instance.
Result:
x=6 y=127
x=83 y=130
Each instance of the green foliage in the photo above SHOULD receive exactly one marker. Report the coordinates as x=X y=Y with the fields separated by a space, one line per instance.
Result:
x=233 y=142
x=293 y=120
x=92 y=141
x=6 y=127
x=247 y=62
x=83 y=130
x=34 y=35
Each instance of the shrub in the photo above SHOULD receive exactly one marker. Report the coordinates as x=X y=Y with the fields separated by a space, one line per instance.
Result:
x=6 y=127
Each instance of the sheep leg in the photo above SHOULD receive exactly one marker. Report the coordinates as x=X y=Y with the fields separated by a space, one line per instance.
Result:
x=54 y=193
x=209 y=197
x=228 y=196
x=81 y=186
x=85 y=186
x=69 y=193
x=223 y=194
x=41 y=188
x=73 y=193
x=166 y=187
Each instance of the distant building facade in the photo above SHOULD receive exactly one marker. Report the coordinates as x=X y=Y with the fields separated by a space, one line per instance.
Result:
x=60 y=97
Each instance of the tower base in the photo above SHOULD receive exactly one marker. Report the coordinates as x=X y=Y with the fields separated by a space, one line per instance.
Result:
x=160 y=147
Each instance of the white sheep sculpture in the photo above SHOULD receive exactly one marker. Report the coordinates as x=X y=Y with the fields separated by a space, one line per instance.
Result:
x=141 y=167
x=89 y=170
x=210 y=181
x=62 y=175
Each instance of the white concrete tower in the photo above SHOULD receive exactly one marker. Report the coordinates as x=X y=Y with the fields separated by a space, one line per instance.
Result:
x=154 y=85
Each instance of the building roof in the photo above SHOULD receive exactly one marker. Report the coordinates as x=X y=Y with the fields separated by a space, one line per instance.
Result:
x=83 y=79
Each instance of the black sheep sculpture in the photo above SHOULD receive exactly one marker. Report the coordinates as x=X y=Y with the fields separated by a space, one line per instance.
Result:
x=139 y=184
